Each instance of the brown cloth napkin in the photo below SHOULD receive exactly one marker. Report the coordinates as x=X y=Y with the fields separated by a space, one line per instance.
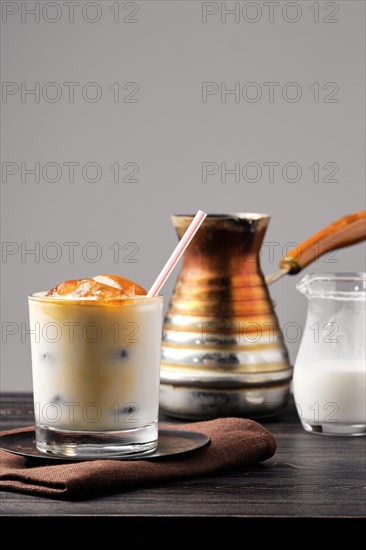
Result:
x=235 y=442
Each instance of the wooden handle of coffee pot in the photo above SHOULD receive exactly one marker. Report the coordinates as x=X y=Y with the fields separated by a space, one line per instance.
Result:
x=348 y=230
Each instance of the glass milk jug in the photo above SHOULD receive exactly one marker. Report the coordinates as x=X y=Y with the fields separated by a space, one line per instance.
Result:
x=330 y=370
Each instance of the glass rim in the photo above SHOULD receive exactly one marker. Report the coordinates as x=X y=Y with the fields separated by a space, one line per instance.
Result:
x=250 y=216
x=41 y=297
x=322 y=290
x=335 y=276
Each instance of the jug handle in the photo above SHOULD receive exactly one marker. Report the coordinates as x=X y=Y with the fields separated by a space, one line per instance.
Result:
x=348 y=230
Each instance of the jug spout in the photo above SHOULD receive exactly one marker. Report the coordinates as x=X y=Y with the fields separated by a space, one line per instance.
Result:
x=304 y=286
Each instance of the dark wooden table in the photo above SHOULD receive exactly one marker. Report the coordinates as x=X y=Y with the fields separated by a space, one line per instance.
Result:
x=309 y=476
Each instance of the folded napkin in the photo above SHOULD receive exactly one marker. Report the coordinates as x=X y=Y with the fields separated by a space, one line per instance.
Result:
x=234 y=443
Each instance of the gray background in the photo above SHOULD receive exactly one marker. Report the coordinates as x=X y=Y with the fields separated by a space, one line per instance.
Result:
x=169 y=52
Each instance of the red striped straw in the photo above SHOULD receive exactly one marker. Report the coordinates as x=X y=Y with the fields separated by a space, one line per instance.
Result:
x=177 y=254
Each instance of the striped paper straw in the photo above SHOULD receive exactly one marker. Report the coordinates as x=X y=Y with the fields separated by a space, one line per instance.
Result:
x=177 y=254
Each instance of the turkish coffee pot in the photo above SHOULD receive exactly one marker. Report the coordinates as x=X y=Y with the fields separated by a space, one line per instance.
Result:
x=223 y=351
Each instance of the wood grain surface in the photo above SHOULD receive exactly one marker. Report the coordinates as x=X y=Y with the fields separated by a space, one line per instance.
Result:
x=309 y=476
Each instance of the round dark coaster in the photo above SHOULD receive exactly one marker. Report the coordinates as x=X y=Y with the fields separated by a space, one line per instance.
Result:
x=170 y=442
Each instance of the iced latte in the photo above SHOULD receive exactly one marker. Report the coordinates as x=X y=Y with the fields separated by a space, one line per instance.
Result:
x=95 y=363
